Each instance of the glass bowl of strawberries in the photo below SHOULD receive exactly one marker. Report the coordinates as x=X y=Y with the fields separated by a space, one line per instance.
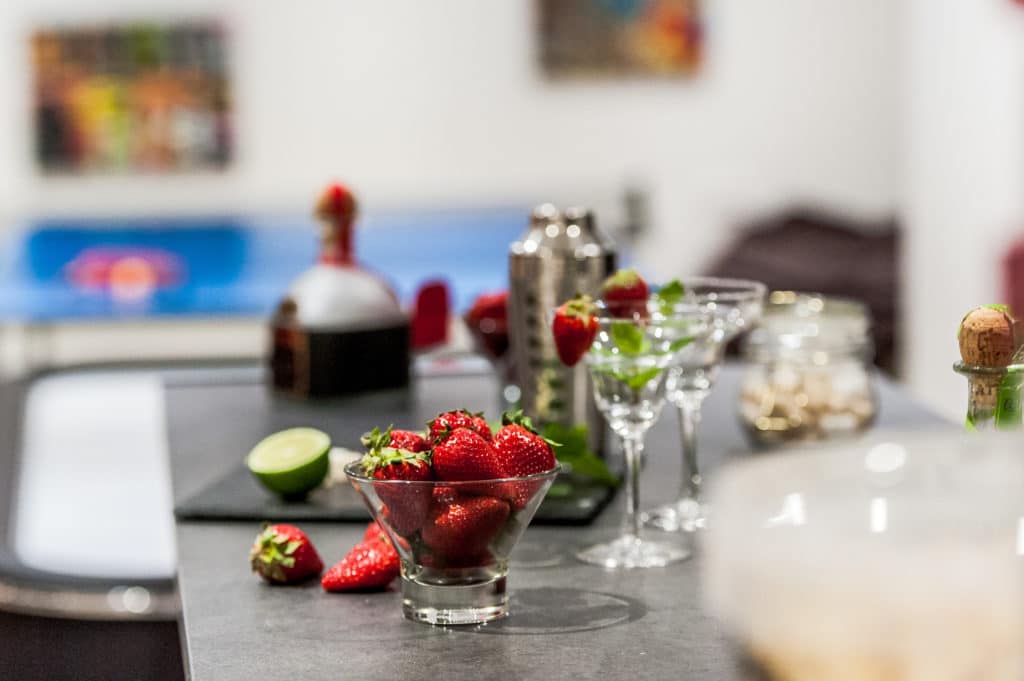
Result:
x=455 y=501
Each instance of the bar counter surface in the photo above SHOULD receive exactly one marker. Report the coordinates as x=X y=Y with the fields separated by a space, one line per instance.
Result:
x=567 y=619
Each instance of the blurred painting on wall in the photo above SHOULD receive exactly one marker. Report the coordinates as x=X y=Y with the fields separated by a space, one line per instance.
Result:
x=131 y=97
x=620 y=37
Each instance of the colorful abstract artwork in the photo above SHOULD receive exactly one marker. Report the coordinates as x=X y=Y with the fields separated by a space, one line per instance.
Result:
x=136 y=97
x=620 y=37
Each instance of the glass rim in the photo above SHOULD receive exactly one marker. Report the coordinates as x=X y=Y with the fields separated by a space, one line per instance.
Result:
x=353 y=472
x=979 y=370
x=683 y=311
x=742 y=289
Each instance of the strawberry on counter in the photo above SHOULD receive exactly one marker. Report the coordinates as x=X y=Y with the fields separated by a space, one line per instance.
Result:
x=283 y=554
x=370 y=565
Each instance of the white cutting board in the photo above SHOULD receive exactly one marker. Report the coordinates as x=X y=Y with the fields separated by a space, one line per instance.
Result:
x=94 y=488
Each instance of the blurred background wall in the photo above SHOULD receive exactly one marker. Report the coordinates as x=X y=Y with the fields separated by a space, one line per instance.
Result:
x=443 y=102
x=963 y=176
x=871 y=107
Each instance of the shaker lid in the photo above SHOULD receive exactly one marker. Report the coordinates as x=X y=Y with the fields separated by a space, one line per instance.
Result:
x=553 y=232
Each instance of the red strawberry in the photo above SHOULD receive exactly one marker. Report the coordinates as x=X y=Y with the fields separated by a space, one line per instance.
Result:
x=521 y=451
x=625 y=293
x=374 y=532
x=466 y=456
x=408 y=440
x=399 y=439
x=369 y=565
x=448 y=422
x=407 y=504
x=283 y=554
x=574 y=328
x=487 y=320
x=443 y=495
x=459 y=532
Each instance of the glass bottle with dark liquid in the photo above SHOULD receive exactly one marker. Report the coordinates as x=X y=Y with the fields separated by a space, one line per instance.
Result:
x=340 y=329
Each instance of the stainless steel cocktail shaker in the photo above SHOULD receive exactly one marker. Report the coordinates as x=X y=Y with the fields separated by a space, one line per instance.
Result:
x=560 y=255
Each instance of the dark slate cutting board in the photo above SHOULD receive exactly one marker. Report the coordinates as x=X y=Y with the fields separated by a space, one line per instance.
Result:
x=215 y=417
x=238 y=496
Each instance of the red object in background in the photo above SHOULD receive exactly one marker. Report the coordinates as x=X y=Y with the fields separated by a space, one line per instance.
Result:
x=1013 y=272
x=487 y=320
x=430 y=316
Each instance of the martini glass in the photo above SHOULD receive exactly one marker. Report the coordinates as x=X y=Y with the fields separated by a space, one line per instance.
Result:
x=628 y=363
x=732 y=306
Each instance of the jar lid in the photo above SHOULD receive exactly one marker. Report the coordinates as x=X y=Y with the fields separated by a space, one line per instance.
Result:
x=809 y=327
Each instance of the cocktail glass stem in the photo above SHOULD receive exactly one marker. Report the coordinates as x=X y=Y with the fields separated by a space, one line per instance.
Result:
x=686 y=513
x=689 y=408
x=632 y=445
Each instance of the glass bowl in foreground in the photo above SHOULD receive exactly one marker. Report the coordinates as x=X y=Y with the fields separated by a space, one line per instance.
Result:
x=898 y=558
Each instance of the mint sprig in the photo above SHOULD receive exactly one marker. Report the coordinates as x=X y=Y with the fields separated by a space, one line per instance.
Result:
x=629 y=339
x=670 y=295
x=576 y=454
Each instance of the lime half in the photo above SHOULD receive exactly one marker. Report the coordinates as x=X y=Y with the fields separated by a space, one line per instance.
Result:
x=291 y=462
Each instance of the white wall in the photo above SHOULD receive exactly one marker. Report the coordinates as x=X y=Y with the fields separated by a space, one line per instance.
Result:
x=441 y=101
x=964 y=175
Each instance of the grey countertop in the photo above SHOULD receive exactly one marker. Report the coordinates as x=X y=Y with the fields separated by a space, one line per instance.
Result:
x=566 y=618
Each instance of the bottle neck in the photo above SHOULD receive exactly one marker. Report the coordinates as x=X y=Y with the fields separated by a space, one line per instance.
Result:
x=336 y=243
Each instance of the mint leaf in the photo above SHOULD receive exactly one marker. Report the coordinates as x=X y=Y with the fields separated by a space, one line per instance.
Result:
x=575 y=453
x=629 y=339
x=671 y=293
x=680 y=343
x=560 y=490
x=638 y=379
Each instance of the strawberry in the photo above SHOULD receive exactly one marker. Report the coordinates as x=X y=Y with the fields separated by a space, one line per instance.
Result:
x=459 y=532
x=369 y=565
x=406 y=504
x=283 y=554
x=443 y=494
x=408 y=440
x=521 y=451
x=487 y=320
x=445 y=424
x=399 y=439
x=465 y=455
x=374 y=532
x=625 y=293
x=574 y=328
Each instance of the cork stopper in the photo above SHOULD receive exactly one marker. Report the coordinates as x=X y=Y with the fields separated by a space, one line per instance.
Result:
x=336 y=209
x=987 y=338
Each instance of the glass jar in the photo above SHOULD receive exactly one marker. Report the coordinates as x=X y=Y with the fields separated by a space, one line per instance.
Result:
x=808 y=374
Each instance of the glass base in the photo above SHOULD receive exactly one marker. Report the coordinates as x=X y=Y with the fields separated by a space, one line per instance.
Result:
x=683 y=515
x=454 y=604
x=632 y=552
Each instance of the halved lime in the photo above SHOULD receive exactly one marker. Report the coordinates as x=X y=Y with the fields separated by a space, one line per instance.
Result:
x=291 y=462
